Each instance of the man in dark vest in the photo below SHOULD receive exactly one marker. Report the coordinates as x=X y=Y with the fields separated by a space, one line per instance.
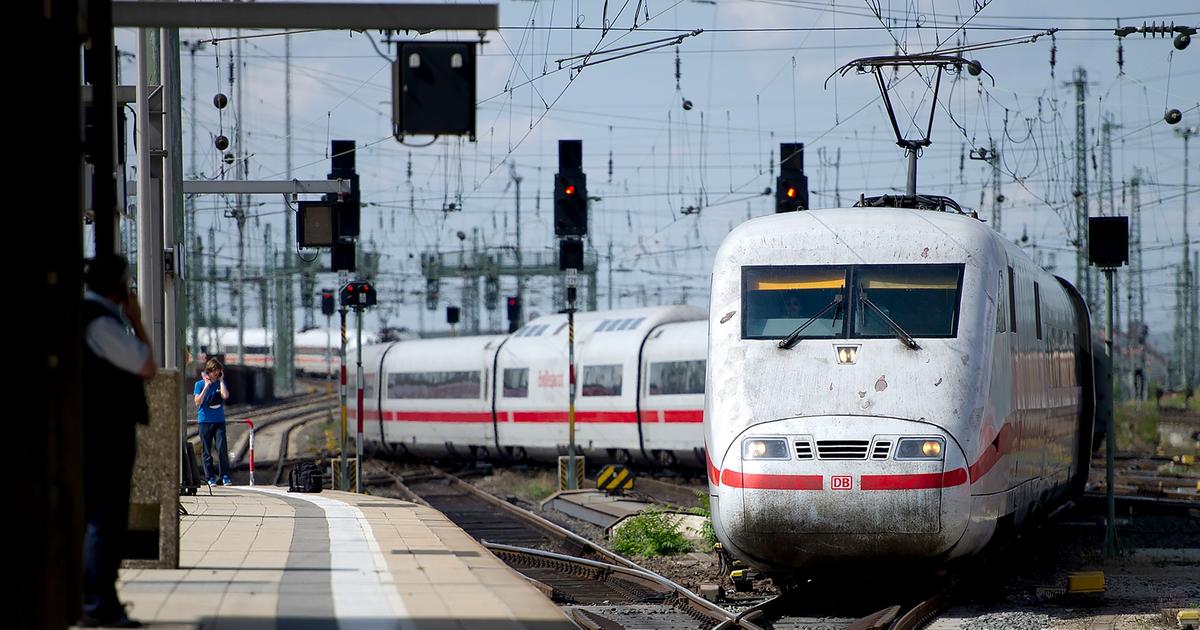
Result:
x=117 y=358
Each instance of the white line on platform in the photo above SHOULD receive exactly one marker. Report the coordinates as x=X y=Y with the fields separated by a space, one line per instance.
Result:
x=364 y=594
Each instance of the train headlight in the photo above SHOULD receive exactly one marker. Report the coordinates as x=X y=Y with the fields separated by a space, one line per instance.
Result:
x=846 y=355
x=765 y=448
x=920 y=448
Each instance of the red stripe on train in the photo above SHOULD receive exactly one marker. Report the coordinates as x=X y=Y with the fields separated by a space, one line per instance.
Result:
x=752 y=481
x=920 y=481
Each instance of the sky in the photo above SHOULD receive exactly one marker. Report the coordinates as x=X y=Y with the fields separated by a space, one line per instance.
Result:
x=755 y=76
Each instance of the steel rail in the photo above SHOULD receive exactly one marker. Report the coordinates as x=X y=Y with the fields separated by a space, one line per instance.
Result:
x=725 y=618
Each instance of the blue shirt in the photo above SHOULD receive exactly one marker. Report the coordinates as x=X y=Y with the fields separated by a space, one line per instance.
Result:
x=212 y=407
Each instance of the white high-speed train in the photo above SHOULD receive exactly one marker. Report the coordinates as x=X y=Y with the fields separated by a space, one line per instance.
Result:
x=639 y=397
x=888 y=386
x=316 y=348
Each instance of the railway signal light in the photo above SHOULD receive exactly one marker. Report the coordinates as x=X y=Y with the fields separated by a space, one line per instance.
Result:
x=452 y=313
x=327 y=306
x=570 y=191
x=359 y=294
x=514 y=313
x=791 y=187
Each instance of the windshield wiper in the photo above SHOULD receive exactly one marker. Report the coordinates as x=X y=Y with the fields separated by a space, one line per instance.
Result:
x=794 y=337
x=901 y=334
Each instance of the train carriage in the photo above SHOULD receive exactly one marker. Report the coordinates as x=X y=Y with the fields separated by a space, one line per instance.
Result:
x=887 y=385
x=671 y=399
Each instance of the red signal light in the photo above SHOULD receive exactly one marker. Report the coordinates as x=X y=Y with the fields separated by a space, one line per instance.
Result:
x=569 y=190
x=512 y=301
x=791 y=192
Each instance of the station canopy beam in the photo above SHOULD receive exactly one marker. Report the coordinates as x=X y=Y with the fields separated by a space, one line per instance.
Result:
x=266 y=187
x=302 y=15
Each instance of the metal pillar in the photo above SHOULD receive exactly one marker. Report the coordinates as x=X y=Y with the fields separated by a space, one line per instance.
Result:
x=342 y=482
x=572 y=281
x=358 y=382
x=149 y=182
x=1083 y=275
x=1110 y=530
x=520 y=264
x=1183 y=309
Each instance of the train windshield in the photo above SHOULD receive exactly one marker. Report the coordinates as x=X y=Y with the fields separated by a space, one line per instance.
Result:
x=778 y=300
x=922 y=300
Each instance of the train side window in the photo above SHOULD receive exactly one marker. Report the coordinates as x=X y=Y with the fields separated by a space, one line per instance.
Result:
x=1000 y=325
x=1037 y=309
x=601 y=380
x=466 y=384
x=516 y=382
x=1012 y=301
x=676 y=377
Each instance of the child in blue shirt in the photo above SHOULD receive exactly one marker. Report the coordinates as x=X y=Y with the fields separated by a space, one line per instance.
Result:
x=209 y=395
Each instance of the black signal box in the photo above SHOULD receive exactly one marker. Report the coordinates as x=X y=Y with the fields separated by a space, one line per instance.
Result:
x=451 y=315
x=791 y=187
x=1108 y=241
x=514 y=313
x=358 y=294
x=316 y=224
x=434 y=89
x=570 y=254
x=342 y=258
x=327 y=305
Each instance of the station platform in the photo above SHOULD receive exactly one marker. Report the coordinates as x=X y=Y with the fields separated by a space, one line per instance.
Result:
x=265 y=558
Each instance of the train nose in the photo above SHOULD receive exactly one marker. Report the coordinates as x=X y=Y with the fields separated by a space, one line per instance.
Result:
x=836 y=488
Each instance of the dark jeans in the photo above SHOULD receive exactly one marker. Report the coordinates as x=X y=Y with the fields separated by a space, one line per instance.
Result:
x=211 y=432
x=108 y=468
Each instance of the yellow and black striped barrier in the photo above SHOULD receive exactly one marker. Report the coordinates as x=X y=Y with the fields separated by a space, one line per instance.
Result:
x=564 y=475
x=614 y=478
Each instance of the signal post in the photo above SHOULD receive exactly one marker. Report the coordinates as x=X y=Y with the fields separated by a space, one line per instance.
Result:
x=358 y=295
x=570 y=226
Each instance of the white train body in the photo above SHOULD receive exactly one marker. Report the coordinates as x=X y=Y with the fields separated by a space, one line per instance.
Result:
x=316 y=349
x=806 y=469
x=639 y=396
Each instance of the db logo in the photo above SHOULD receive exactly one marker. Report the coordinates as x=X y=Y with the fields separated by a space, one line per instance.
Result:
x=841 y=482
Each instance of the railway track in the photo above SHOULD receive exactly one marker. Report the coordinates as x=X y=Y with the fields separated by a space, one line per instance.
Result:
x=601 y=589
x=572 y=570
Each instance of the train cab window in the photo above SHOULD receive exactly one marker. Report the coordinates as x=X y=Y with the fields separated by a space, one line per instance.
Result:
x=516 y=382
x=920 y=299
x=434 y=385
x=777 y=300
x=601 y=380
x=1037 y=309
x=676 y=377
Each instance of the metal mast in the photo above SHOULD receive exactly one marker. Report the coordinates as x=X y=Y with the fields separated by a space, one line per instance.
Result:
x=285 y=331
x=997 y=197
x=1185 y=318
x=1136 y=316
x=520 y=264
x=1083 y=276
x=240 y=209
